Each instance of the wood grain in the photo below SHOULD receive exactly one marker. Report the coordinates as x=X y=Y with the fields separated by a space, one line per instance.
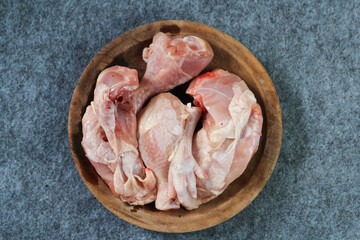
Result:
x=230 y=55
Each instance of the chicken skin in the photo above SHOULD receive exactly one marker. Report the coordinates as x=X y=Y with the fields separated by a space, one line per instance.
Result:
x=231 y=131
x=165 y=131
x=110 y=124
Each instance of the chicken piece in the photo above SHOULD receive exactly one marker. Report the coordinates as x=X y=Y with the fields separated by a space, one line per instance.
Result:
x=117 y=118
x=184 y=168
x=113 y=87
x=171 y=61
x=165 y=133
x=97 y=148
x=247 y=145
x=132 y=188
x=231 y=130
x=118 y=97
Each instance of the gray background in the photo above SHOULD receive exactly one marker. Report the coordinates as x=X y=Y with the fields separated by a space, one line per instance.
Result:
x=310 y=50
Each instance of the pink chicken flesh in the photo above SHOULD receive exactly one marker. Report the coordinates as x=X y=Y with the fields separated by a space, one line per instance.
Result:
x=165 y=131
x=113 y=87
x=97 y=148
x=116 y=120
x=171 y=61
x=109 y=125
x=230 y=134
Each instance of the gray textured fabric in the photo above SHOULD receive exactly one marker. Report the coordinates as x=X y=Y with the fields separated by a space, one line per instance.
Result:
x=311 y=51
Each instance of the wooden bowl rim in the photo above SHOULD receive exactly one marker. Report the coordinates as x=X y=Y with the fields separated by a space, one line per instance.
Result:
x=271 y=159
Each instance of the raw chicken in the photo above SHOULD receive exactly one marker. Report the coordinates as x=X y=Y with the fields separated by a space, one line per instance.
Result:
x=110 y=138
x=184 y=168
x=171 y=61
x=113 y=87
x=117 y=119
x=97 y=149
x=165 y=134
x=230 y=134
x=248 y=144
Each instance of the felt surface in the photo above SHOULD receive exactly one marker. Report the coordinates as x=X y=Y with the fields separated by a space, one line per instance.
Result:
x=311 y=50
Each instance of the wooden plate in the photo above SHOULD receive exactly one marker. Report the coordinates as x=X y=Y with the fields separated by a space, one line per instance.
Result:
x=230 y=55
